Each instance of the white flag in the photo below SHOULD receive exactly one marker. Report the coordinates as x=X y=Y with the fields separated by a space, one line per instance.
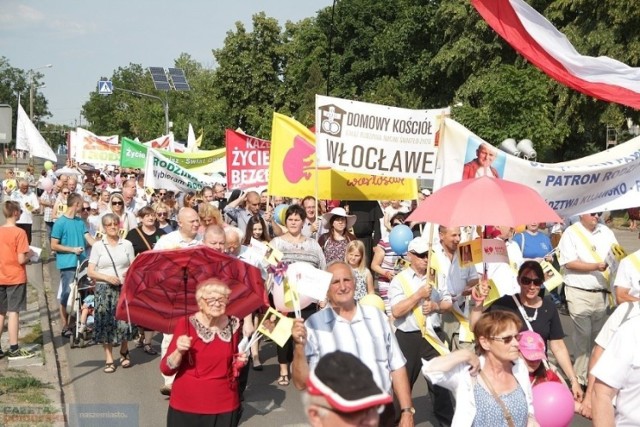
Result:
x=29 y=139
x=192 y=145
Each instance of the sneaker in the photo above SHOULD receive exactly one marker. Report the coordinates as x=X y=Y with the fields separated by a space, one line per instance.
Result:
x=66 y=332
x=165 y=390
x=21 y=353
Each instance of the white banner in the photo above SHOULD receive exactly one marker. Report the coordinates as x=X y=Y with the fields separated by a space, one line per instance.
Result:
x=29 y=139
x=160 y=172
x=87 y=147
x=596 y=183
x=374 y=139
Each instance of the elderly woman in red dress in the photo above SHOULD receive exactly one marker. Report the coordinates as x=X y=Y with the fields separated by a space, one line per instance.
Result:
x=203 y=355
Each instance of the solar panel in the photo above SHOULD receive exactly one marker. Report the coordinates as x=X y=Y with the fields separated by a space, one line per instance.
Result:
x=178 y=79
x=159 y=77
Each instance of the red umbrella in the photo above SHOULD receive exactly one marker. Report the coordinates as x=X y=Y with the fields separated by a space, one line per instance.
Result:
x=484 y=201
x=160 y=286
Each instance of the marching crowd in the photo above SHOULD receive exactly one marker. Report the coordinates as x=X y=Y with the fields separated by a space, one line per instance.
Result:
x=402 y=315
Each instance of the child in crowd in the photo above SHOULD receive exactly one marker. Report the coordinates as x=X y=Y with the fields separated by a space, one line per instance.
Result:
x=354 y=256
x=532 y=349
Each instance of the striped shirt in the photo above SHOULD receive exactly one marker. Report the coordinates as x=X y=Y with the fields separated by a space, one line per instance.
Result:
x=367 y=336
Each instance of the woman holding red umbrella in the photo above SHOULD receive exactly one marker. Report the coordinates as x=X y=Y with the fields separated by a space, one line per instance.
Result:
x=203 y=355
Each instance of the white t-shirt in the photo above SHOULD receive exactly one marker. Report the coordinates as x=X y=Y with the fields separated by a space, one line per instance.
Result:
x=619 y=368
x=28 y=203
x=626 y=309
x=628 y=275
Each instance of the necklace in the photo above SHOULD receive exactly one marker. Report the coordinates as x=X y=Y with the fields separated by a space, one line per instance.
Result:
x=530 y=318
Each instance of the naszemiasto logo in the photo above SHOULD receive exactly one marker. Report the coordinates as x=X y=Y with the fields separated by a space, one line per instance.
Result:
x=331 y=119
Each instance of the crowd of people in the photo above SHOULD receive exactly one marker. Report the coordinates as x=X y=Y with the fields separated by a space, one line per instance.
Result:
x=419 y=313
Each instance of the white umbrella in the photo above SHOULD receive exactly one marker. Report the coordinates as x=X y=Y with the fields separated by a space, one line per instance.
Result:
x=68 y=171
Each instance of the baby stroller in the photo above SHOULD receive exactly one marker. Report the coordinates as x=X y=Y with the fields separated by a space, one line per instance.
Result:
x=81 y=288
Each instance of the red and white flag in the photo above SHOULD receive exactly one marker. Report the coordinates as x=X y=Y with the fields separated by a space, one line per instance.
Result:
x=535 y=38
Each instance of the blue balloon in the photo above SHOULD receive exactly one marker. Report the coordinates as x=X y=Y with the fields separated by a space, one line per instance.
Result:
x=278 y=213
x=399 y=238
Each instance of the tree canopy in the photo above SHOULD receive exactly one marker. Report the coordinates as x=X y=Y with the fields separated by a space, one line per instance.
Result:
x=413 y=54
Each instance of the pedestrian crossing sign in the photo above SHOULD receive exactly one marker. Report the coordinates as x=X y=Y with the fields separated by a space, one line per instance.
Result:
x=105 y=87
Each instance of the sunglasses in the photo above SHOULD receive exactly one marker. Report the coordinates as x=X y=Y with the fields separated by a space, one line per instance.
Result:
x=596 y=214
x=161 y=214
x=65 y=192
x=86 y=209
x=528 y=281
x=117 y=203
x=423 y=255
x=507 y=339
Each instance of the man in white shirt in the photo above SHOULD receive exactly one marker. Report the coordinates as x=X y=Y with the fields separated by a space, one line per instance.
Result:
x=28 y=204
x=627 y=282
x=617 y=376
x=583 y=248
x=458 y=281
x=416 y=307
x=184 y=237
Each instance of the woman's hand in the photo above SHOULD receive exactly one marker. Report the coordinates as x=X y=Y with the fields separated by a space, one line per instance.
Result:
x=389 y=275
x=576 y=389
x=183 y=344
x=112 y=280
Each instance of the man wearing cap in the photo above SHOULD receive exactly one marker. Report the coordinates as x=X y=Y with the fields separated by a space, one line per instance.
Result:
x=583 y=248
x=341 y=391
x=334 y=328
x=416 y=307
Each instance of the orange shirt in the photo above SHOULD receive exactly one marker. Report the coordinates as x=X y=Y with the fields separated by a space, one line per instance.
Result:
x=13 y=240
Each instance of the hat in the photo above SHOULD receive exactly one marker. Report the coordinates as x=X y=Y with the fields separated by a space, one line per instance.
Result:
x=346 y=383
x=532 y=346
x=425 y=192
x=418 y=245
x=93 y=205
x=351 y=219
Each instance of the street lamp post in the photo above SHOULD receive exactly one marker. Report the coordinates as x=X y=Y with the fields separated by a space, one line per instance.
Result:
x=32 y=87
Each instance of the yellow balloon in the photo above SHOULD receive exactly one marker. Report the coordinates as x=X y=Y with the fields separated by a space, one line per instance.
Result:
x=520 y=229
x=48 y=165
x=374 y=301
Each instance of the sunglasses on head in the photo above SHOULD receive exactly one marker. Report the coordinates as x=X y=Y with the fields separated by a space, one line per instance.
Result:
x=117 y=203
x=528 y=281
x=423 y=255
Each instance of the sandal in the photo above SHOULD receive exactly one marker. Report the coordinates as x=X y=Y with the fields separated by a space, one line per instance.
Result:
x=125 y=361
x=284 y=380
x=109 y=368
x=149 y=350
x=140 y=342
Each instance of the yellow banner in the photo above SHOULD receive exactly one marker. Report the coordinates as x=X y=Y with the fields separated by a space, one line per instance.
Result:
x=292 y=170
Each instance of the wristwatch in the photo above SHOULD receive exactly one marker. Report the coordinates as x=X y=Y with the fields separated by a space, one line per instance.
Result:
x=410 y=410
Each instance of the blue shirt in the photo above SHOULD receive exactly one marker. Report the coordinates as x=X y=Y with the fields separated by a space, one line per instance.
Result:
x=69 y=232
x=533 y=245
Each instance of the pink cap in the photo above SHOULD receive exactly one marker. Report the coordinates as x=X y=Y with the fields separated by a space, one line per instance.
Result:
x=532 y=346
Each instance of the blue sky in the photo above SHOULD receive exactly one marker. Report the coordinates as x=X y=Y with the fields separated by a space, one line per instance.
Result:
x=85 y=40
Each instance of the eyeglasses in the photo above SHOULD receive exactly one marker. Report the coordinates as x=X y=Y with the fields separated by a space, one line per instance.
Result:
x=507 y=339
x=423 y=255
x=117 y=203
x=596 y=214
x=161 y=214
x=86 y=209
x=528 y=281
x=216 y=301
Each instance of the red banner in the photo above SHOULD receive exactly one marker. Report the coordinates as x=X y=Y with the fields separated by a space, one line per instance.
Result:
x=247 y=160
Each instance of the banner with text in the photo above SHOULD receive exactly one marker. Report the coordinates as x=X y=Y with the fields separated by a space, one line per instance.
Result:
x=247 y=160
x=93 y=149
x=360 y=137
x=292 y=170
x=600 y=184
x=161 y=172
x=133 y=155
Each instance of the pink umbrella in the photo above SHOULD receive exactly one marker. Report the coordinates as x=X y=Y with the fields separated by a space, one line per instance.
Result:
x=484 y=201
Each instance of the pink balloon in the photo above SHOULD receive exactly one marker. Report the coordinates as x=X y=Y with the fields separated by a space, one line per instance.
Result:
x=553 y=404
